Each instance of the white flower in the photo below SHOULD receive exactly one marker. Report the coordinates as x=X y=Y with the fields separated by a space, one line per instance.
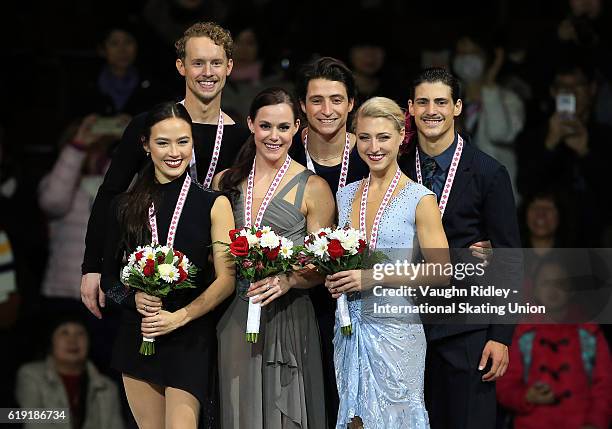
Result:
x=148 y=253
x=338 y=234
x=319 y=248
x=269 y=240
x=163 y=249
x=350 y=242
x=251 y=238
x=266 y=229
x=168 y=272
x=286 y=250
x=125 y=273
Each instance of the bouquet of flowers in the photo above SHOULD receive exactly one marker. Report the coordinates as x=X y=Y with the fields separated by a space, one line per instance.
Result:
x=157 y=270
x=340 y=249
x=259 y=253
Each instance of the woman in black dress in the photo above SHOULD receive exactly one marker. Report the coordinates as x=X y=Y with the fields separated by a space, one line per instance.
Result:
x=170 y=387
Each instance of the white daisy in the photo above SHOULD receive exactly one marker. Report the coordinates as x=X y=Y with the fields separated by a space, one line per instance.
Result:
x=286 y=250
x=319 y=248
x=168 y=272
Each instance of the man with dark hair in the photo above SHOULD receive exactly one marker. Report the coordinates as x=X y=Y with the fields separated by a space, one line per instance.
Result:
x=204 y=59
x=476 y=201
x=326 y=91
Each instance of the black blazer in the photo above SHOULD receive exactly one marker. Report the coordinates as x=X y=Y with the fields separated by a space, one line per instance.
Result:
x=480 y=207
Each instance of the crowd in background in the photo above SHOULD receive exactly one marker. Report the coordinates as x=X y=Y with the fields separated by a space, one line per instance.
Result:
x=75 y=75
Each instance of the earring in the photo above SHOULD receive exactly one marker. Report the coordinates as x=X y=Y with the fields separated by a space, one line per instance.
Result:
x=148 y=153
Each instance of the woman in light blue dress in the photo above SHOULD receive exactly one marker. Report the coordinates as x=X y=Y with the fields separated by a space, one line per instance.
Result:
x=380 y=366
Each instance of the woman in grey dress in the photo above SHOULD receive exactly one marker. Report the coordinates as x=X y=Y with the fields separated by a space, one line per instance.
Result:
x=275 y=383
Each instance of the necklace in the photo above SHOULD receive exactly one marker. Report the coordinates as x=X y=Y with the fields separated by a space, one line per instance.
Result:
x=346 y=152
x=317 y=159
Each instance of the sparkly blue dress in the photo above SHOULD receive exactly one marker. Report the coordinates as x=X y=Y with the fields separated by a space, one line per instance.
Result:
x=380 y=367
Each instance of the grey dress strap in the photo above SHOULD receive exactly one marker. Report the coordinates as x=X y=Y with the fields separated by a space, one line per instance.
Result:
x=300 y=179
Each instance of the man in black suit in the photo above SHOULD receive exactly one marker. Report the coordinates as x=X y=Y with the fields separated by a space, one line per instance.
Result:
x=463 y=361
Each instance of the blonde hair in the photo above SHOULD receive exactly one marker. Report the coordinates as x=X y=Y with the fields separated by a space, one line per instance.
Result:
x=381 y=107
x=219 y=35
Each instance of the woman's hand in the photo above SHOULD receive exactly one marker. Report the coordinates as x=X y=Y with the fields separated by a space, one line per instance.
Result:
x=348 y=281
x=162 y=323
x=147 y=305
x=268 y=289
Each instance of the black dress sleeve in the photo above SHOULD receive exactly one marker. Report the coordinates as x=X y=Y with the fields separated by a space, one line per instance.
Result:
x=126 y=162
x=110 y=281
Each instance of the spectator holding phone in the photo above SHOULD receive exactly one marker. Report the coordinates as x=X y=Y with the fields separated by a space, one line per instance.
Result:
x=560 y=376
x=66 y=195
x=570 y=153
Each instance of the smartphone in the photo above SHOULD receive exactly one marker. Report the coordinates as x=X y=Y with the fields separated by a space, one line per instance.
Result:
x=113 y=126
x=566 y=105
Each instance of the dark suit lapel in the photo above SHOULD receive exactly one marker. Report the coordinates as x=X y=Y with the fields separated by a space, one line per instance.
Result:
x=462 y=178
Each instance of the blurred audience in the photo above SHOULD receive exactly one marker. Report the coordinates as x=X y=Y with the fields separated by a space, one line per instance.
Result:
x=122 y=86
x=249 y=75
x=66 y=195
x=560 y=374
x=492 y=115
x=67 y=379
x=367 y=57
x=570 y=152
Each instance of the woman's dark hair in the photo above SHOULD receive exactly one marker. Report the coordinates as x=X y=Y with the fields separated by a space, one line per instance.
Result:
x=326 y=68
x=134 y=204
x=244 y=160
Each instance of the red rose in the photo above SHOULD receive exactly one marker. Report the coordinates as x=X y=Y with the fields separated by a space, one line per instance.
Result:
x=272 y=254
x=240 y=246
x=149 y=268
x=233 y=234
x=139 y=255
x=182 y=275
x=177 y=254
x=362 y=246
x=322 y=234
x=335 y=249
x=258 y=234
x=161 y=259
x=247 y=263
